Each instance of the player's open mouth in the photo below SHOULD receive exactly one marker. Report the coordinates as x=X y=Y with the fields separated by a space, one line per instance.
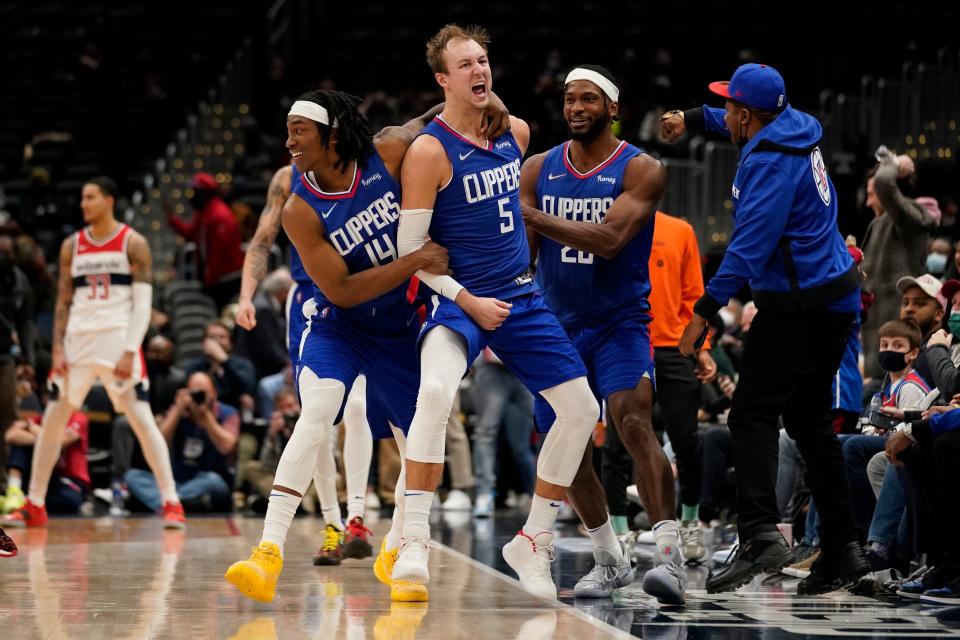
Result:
x=296 y=154
x=479 y=89
x=576 y=122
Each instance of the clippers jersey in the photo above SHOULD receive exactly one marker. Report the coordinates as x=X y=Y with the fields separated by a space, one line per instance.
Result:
x=477 y=215
x=361 y=225
x=582 y=288
x=101 y=274
x=297 y=272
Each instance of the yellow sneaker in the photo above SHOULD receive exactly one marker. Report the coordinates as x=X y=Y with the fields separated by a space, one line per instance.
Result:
x=256 y=578
x=407 y=591
x=402 y=621
x=260 y=629
x=14 y=500
x=383 y=565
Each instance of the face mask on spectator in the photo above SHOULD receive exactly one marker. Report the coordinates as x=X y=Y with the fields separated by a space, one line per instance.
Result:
x=936 y=263
x=892 y=360
x=954 y=323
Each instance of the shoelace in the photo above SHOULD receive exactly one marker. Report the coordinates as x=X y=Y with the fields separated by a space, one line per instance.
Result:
x=734 y=553
x=331 y=538
x=260 y=553
x=602 y=573
x=424 y=543
x=356 y=528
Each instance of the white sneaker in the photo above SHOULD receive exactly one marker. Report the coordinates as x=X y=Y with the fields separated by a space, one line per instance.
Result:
x=531 y=559
x=457 y=500
x=411 y=564
x=691 y=542
x=646 y=537
x=483 y=507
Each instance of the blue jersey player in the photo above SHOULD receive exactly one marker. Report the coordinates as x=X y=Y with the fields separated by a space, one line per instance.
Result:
x=358 y=441
x=342 y=217
x=589 y=207
x=463 y=189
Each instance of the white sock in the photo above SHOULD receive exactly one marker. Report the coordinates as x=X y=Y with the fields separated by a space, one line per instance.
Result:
x=280 y=511
x=325 y=481
x=357 y=448
x=543 y=515
x=416 y=513
x=154 y=447
x=46 y=450
x=395 y=536
x=666 y=533
x=15 y=482
x=605 y=538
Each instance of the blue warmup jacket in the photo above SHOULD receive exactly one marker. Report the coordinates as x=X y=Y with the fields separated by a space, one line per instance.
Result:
x=785 y=242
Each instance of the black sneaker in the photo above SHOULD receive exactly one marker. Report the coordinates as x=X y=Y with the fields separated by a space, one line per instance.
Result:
x=8 y=548
x=835 y=569
x=767 y=553
x=936 y=578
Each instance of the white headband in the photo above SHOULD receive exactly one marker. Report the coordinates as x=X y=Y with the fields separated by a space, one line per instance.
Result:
x=586 y=74
x=311 y=110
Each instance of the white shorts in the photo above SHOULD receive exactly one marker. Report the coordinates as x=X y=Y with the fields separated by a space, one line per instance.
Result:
x=94 y=355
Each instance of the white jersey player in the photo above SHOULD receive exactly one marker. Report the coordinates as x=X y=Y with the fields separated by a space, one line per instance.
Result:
x=102 y=314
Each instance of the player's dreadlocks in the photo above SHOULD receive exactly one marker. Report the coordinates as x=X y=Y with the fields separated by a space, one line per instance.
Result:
x=354 y=138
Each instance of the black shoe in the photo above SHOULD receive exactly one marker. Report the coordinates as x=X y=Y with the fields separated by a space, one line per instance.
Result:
x=767 y=553
x=835 y=569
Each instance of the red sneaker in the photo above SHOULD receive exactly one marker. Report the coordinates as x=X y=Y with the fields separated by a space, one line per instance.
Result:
x=173 y=517
x=29 y=515
x=357 y=540
x=8 y=547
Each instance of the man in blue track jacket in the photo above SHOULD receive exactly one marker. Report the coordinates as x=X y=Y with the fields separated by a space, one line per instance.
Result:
x=786 y=246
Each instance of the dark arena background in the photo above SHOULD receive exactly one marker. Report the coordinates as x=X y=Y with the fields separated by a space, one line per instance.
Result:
x=185 y=103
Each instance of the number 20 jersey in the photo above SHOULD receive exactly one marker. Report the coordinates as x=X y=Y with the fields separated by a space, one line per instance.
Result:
x=581 y=288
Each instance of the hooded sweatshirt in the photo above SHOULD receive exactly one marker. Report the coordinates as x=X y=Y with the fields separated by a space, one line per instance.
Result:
x=785 y=242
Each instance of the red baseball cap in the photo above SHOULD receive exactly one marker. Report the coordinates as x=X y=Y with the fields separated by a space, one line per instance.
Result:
x=755 y=85
x=950 y=287
x=203 y=181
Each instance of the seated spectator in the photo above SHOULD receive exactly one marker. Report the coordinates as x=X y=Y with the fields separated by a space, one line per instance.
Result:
x=265 y=344
x=941 y=250
x=234 y=376
x=202 y=433
x=943 y=349
x=922 y=303
x=70 y=481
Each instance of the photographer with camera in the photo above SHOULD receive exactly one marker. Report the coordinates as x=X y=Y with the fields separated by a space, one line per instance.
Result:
x=202 y=434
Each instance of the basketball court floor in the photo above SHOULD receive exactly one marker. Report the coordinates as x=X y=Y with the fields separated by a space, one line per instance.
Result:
x=128 y=578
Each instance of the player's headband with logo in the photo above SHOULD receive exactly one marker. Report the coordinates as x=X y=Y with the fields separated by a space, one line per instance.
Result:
x=311 y=110
x=605 y=85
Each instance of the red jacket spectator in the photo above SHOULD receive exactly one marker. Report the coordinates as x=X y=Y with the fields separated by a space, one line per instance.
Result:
x=214 y=229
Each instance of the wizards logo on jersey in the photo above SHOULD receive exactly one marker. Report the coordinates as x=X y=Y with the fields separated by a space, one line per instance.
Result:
x=579 y=287
x=361 y=224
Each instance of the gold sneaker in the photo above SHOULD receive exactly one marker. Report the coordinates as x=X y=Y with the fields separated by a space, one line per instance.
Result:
x=256 y=578
x=383 y=565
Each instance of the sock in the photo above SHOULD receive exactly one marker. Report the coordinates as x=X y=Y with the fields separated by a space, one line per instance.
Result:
x=331 y=515
x=280 y=511
x=14 y=483
x=604 y=538
x=416 y=513
x=620 y=525
x=543 y=515
x=154 y=447
x=325 y=482
x=690 y=514
x=355 y=507
x=880 y=549
x=666 y=535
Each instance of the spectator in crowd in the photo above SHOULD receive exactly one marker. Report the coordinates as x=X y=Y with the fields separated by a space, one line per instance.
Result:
x=202 y=433
x=501 y=402
x=258 y=474
x=923 y=303
x=70 y=481
x=265 y=343
x=16 y=334
x=234 y=376
x=941 y=251
x=943 y=350
x=894 y=245
x=217 y=235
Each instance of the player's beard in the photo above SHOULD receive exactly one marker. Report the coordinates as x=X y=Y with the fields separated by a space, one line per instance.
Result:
x=591 y=134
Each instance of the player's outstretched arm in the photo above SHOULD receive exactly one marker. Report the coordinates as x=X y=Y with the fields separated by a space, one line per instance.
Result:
x=529 y=175
x=328 y=270
x=141 y=267
x=61 y=313
x=643 y=184
x=258 y=251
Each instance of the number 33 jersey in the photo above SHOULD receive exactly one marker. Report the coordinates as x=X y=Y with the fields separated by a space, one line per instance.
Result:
x=101 y=282
x=581 y=288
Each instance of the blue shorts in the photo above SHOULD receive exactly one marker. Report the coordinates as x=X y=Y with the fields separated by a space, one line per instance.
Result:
x=617 y=355
x=300 y=292
x=531 y=343
x=333 y=348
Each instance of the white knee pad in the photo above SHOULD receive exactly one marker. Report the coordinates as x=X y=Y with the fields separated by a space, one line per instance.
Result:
x=321 y=401
x=577 y=414
x=443 y=359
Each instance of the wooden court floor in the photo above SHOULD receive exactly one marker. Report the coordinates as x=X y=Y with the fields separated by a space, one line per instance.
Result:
x=128 y=578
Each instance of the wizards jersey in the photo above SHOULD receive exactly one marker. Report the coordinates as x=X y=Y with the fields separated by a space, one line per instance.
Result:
x=580 y=287
x=361 y=225
x=102 y=277
x=476 y=215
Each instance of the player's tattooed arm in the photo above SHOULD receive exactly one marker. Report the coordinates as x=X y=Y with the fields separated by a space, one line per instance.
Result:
x=643 y=182
x=258 y=251
x=62 y=309
x=141 y=260
x=529 y=175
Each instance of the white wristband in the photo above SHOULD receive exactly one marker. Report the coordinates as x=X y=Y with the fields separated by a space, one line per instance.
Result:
x=142 y=298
